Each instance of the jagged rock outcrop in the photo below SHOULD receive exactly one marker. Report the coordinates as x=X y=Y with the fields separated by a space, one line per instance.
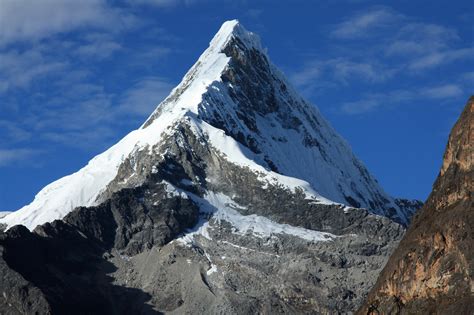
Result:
x=63 y=267
x=432 y=270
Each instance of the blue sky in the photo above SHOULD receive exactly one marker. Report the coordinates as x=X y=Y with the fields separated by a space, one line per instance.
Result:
x=76 y=76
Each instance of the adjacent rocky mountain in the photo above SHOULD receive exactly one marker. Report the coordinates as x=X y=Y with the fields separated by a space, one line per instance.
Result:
x=235 y=196
x=432 y=270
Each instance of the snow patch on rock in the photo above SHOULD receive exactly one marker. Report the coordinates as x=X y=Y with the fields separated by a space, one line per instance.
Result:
x=222 y=208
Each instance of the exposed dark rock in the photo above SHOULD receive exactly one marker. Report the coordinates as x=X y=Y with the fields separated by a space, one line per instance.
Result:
x=62 y=267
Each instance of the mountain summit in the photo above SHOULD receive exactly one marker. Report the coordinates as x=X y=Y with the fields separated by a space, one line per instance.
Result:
x=243 y=105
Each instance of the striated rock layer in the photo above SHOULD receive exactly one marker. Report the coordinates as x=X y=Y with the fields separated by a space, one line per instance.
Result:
x=432 y=270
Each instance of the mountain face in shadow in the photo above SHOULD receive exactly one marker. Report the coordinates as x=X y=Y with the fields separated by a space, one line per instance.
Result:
x=432 y=270
x=65 y=267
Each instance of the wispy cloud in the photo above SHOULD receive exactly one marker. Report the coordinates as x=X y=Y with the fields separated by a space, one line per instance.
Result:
x=393 y=98
x=144 y=96
x=420 y=38
x=365 y=23
x=13 y=133
x=50 y=50
x=442 y=91
x=97 y=45
x=377 y=100
x=340 y=71
x=10 y=156
x=387 y=46
x=18 y=69
x=22 y=20
x=254 y=13
x=162 y=3
x=85 y=115
x=441 y=57
x=77 y=110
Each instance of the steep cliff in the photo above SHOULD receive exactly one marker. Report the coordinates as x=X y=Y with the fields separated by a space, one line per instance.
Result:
x=432 y=270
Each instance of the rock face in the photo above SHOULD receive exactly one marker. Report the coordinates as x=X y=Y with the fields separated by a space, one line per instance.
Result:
x=432 y=270
x=63 y=267
x=229 y=199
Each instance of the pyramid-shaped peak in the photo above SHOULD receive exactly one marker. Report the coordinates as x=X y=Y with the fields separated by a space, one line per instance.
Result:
x=234 y=29
x=209 y=69
x=233 y=91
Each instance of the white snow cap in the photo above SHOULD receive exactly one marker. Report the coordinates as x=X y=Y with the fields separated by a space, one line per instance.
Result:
x=231 y=29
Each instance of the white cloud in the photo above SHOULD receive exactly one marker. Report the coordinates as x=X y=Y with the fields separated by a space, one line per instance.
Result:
x=361 y=106
x=438 y=58
x=67 y=101
x=346 y=69
x=376 y=101
x=74 y=103
x=14 y=132
x=442 y=91
x=158 y=3
x=254 y=13
x=24 y=20
x=341 y=71
x=363 y=24
x=310 y=72
x=420 y=38
x=390 y=46
x=18 y=69
x=143 y=97
x=427 y=46
x=10 y=156
x=98 y=49
x=148 y=55
x=161 y=3
x=84 y=115
x=421 y=45
x=93 y=139
x=405 y=47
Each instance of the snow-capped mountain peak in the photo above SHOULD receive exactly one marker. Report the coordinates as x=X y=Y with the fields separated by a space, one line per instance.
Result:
x=208 y=69
x=233 y=29
x=241 y=103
